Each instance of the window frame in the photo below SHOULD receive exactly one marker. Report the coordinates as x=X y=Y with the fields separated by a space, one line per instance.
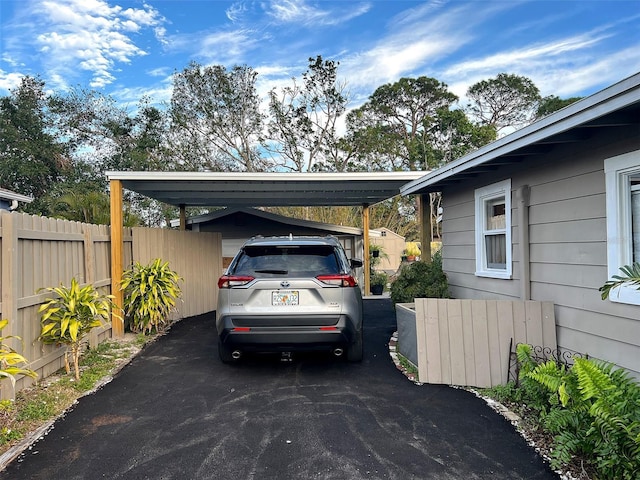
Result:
x=481 y=198
x=618 y=171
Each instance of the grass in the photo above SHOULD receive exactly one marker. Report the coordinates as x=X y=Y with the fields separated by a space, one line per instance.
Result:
x=408 y=368
x=49 y=398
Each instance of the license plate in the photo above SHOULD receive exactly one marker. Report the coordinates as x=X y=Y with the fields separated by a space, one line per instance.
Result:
x=283 y=298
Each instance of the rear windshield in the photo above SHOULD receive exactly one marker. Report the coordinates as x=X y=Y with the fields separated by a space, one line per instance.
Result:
x=305 y=261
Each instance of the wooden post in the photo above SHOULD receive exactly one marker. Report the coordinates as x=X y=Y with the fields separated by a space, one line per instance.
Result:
x=117 y=324
x=426 y=229
x=365 y=237
x=183 y=217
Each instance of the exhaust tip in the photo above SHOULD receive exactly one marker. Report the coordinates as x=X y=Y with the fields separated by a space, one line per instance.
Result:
x=338 y=352
x=236 y=354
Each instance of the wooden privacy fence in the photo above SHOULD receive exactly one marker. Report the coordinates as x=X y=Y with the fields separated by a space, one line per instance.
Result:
x=38 y=252
x=467 y=342
x=195 y=256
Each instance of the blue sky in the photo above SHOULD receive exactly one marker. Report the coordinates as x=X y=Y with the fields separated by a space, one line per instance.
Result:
x=128 y=49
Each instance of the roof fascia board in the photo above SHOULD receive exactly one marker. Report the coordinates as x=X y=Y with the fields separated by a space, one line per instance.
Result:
x=617 y=96
x=9 y=195
x=260 y=177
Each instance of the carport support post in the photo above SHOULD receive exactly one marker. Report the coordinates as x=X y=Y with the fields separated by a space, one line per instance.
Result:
x=183 y=217
x=365 y=237
x=426 y=229
x=117 y=324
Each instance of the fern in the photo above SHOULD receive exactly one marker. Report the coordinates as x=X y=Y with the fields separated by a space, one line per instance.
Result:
x=549 y=375
x=593 y=381
x=593 y=410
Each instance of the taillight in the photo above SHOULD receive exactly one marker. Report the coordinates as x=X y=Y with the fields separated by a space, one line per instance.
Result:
x=338 y=280
x=229 y=281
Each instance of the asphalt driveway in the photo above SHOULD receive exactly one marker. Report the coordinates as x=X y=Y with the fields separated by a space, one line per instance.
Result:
x=176 y=412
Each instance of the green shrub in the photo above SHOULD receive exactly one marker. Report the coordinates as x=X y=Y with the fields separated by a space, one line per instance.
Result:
x=420 y=280
x=150 y=292
x=592 y=409
x=379 y=278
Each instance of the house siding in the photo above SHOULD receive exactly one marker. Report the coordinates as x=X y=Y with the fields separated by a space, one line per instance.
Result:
x=568 y=249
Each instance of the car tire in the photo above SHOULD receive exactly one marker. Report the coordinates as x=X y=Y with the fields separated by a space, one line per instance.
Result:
x=225 y=353
x=354 y=351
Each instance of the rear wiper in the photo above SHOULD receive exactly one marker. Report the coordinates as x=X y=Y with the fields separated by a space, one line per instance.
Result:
x=275 y=272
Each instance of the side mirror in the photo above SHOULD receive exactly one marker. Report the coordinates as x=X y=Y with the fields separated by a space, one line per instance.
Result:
x=355 y=263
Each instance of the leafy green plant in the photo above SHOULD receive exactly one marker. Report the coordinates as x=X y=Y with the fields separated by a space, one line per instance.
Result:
x=70 y=316
x=151 y=292
x=591 y=409
x=379 y=278
x=630 y=275
x=420 y=280
x=376 y=255
x=11 y=362
x=594 y=412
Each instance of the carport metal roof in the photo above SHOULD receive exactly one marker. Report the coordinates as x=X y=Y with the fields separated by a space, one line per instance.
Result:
x=229 y=189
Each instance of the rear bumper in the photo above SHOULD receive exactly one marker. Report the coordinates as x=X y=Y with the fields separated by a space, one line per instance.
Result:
x=235 y=333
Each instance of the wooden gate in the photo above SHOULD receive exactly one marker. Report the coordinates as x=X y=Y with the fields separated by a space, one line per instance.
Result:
x=467 y=342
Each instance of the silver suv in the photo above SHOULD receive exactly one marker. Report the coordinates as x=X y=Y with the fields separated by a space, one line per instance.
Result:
x=284 y=294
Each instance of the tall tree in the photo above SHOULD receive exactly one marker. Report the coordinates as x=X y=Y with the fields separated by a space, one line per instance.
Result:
x=32 y=160
x=304 y=117
x=397 y=121
x=217 y=119
x=507 y=101
x=553 y=103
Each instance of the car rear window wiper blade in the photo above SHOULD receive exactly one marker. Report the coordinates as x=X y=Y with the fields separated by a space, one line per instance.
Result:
x=275 y=272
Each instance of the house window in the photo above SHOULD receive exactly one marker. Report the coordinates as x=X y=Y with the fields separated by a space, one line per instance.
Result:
x=347 y=244
x=493 y=230
x=622 y=177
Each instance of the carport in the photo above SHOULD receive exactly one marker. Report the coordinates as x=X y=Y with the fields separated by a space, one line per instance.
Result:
x=230 y=189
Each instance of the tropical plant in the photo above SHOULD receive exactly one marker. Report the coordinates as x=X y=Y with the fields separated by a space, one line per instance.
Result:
x=376 y=255
x=11 y=362
x=420 y=280
x=151 y=292
x=70 y=316
x=630 y=276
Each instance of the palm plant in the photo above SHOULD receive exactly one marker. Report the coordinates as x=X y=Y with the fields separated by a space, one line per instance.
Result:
x=630 y=276
x=70 y=315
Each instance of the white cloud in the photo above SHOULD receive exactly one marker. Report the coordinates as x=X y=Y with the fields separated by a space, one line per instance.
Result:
x=9 y=81
x=523 y=56
x=562 y=67
x=236 y=11
x=85 y=35
x=416 y=40
x=300 y=12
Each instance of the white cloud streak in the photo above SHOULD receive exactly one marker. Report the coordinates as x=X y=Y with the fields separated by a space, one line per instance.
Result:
x=302 y=13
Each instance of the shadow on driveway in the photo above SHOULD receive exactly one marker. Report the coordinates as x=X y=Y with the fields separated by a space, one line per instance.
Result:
x=177 y=412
